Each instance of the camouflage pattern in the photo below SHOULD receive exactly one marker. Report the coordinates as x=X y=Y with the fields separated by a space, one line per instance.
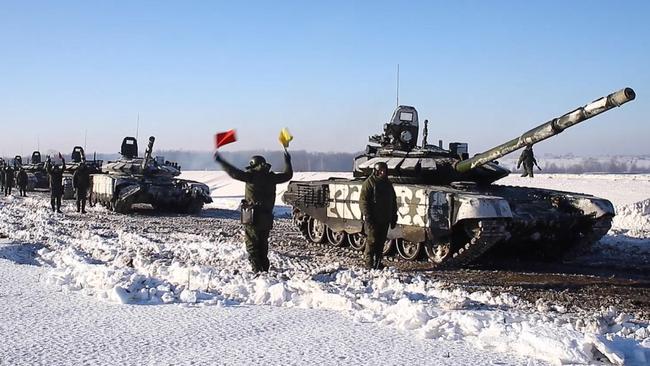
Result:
x=132 y=180
x=447 y=202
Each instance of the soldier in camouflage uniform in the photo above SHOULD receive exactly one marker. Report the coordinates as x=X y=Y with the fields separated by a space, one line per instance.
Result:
x=527 y=158
x=379 y=208
x=260 y=194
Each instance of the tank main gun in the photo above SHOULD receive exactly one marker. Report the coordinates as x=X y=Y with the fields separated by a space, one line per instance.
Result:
x=147 y=152
x=549 y=129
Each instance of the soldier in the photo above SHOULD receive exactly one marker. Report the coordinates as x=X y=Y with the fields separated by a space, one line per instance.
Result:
x=527 y=158
x=2 y=175
x=56 y=183
x=9 y=179
x=21 y=182
x=260 y=196
x=379 y=208
x=81 y=183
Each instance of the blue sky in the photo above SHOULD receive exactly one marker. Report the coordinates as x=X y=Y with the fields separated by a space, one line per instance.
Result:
x=482 y=72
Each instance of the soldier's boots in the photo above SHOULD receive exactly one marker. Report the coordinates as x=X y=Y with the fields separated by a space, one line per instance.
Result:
x=374 y=262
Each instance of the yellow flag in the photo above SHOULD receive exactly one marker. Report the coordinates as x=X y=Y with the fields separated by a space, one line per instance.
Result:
x=285 y=137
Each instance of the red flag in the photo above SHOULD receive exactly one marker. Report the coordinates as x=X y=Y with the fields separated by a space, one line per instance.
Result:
x=223 y=138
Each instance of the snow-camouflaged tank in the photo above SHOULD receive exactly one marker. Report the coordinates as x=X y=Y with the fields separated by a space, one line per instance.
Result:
x=77 y=157
x=132 y=180
x=449 y=210
x=37 y=177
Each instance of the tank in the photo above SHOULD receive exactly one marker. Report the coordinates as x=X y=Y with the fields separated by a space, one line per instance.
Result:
x=135 y=180
x=77 y=157
x=37 y=178
x=450 y=211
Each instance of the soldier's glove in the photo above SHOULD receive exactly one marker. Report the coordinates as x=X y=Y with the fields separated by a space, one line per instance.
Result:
x=287 y=157
x=217 y=157
x=540 y=169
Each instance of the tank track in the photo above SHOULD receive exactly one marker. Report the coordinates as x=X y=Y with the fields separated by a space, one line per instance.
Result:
x=583 y=243
x=485 y=234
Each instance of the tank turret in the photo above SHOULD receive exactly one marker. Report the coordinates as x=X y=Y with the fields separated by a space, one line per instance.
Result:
x=78 y=155
x=430 y=164
x=36 y=158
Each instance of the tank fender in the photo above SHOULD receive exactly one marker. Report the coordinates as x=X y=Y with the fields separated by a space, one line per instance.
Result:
x=102 y=185
x=129 y=191
x=596 y=207
x=467 y=206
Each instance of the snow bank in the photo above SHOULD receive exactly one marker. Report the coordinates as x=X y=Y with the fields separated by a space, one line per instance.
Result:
x=127 y=266
x=633 y=219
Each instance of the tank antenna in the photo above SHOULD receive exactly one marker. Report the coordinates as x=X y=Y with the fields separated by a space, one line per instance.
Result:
x=397 y=85
x=425 y=133
x=137 y=126
x=85 y=139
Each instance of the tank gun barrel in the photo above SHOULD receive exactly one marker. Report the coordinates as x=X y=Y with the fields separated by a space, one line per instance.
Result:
x=549 y=129
x=148 y=151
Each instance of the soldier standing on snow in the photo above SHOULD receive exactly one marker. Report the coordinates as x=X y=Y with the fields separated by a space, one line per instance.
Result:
x=9 y=179
x=2 y=175
x=21 y=182
x=260 y=198
x=379 y=208
x=56 y=182
x=81 y=183
x=527 y=158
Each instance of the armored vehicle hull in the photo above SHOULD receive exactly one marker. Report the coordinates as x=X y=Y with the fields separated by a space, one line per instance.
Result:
x=449 y=209
x=455 y=225
x=120 y=193
x=132 y=180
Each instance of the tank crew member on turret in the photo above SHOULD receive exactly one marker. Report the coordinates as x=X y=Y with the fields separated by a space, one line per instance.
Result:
x=379 y=208
x=56 y=182
x=9 y=179
x=21 y=182
x=81 y=184
x=260 y=196
x=527 y=158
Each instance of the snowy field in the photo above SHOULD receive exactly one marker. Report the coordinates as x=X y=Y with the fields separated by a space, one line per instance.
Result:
x=170 y=290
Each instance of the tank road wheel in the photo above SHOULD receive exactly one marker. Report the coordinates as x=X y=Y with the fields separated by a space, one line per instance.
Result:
x=357 y=241
x=389 y=247
x=337 y=238
x=409 y=250
x=437 y=252
x=316 y=231
x=301 y=221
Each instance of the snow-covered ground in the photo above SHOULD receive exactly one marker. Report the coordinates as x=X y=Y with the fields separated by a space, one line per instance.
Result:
x=203 y=306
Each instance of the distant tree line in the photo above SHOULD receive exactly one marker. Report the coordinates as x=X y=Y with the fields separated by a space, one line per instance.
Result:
x=342 y=162
x=301 y=160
